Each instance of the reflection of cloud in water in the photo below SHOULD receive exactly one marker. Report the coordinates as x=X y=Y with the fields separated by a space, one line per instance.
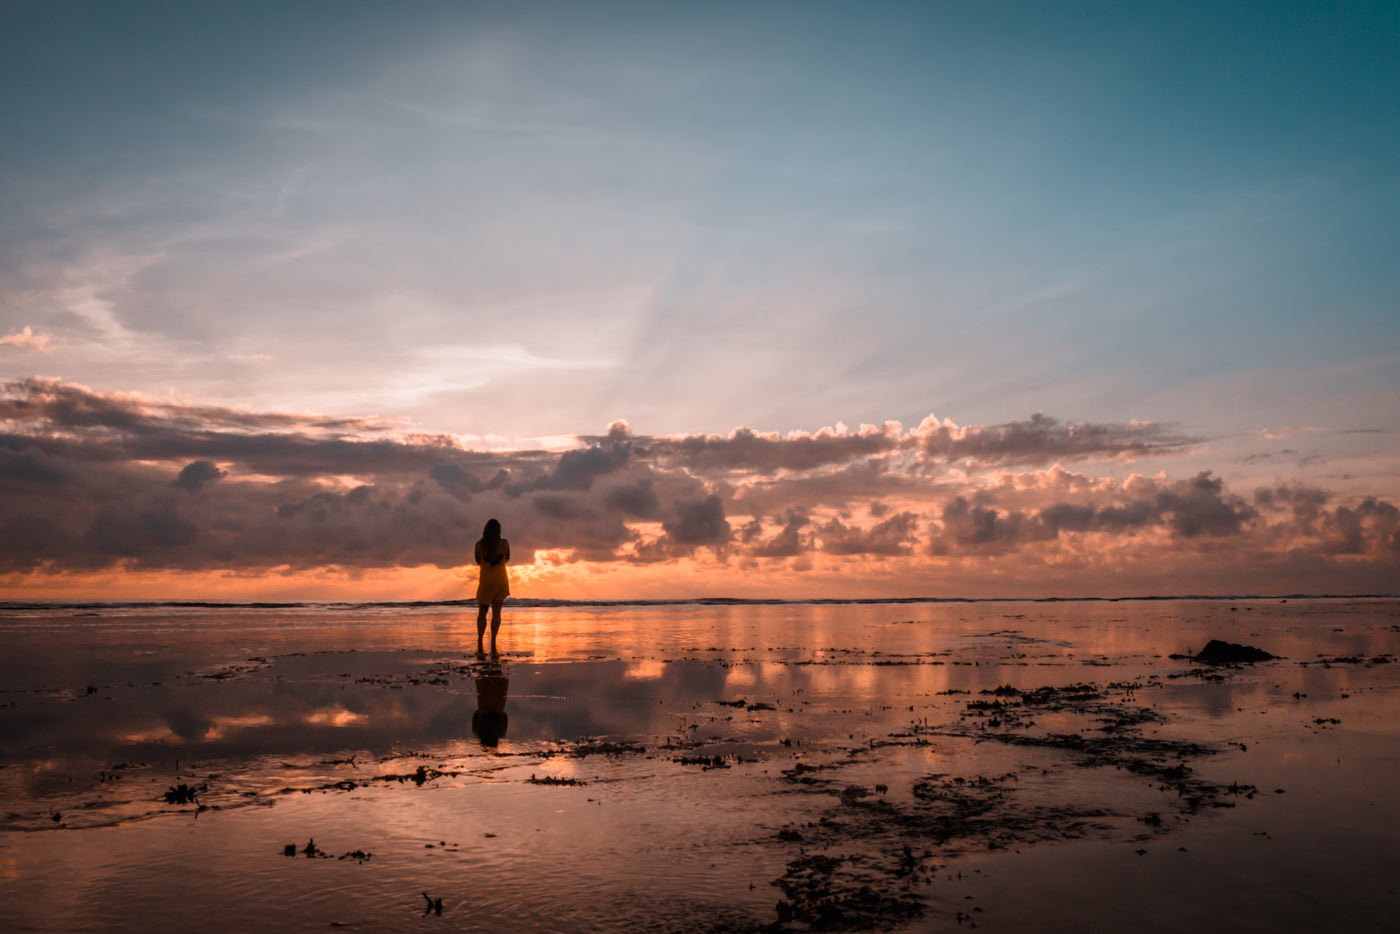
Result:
x=222 y=726
x=452 y=720
x=645 y=670
x=187 y=724
x=194 y=729
x=599 y=699
x=693 y=680
x=740 y=677
x=331 y=716
x=569 y=701
x=1215 y=700
x=160 y=734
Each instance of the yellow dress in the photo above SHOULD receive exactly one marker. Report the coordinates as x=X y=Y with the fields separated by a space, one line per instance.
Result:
x=494 y=584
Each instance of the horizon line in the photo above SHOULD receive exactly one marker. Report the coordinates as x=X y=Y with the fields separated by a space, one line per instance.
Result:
x=539 y=603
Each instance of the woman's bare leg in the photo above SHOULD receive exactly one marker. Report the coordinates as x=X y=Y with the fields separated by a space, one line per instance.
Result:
x=495 y=623
x=481 y=627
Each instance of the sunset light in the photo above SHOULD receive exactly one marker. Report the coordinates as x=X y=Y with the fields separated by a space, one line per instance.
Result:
x=655 y=465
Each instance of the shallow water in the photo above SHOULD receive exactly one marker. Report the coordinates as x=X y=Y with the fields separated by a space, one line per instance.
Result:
x=692 y=767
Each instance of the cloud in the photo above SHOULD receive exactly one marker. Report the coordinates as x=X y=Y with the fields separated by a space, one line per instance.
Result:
x=698 y=522
x=456 y=479
x=1295 y=496
x=196 y=475
x=95 y=480
x=25 y=467
x=70 y=406
x=87 y=425
x=788 y=542
x=1188 y=509
x=636 y=499
x=576 y=470
x=1044 y=439
x=745 y=449
x=28 y=339
x=893 y=536
x=1040 y=440
x=1372 y=526
x=557 y=506
x=80 y=424
x=1197 y=507
x=971 y=526
x=1073 y=517
x=132 y=531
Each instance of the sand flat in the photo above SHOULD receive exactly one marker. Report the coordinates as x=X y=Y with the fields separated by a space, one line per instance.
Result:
x=735 y=767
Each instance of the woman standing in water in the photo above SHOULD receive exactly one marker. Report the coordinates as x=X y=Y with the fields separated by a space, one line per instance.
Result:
x=492 y=553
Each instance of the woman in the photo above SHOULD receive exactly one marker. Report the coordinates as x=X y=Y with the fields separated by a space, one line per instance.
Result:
x=492 y=553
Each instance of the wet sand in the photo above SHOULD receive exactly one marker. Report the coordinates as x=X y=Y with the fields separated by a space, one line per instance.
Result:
x=910 y=767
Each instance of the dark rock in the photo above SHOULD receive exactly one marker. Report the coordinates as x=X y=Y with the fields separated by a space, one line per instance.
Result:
x=1219 y=652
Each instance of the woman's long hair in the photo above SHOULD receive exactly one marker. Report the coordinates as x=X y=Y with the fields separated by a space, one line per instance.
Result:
x=491 y=537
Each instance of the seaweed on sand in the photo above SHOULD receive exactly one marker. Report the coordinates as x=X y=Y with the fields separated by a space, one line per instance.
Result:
x=552 y=780
x=863 y=857
x=832 y=893
x=605 y=748
x=1119 y=743
x=183 y=794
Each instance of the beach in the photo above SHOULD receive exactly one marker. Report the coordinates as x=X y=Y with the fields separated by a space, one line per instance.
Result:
x=1008 y=766
x=696 y=467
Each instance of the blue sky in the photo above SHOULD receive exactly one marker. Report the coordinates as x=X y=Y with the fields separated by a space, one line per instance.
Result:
x=525 y=220
x=700 y=216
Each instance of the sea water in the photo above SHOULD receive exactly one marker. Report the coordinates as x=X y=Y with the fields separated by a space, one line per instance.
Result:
x=1017 y=765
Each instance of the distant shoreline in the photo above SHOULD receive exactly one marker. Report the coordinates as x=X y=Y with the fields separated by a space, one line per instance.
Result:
x=690 y=601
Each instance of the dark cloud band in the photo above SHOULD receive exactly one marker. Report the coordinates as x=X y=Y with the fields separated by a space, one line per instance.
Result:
x=93 y=480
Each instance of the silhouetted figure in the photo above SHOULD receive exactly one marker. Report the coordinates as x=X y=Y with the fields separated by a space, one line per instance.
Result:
x=489 y=722
x=493 y=586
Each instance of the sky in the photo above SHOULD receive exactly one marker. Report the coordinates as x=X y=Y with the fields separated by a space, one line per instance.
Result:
x=762 y=299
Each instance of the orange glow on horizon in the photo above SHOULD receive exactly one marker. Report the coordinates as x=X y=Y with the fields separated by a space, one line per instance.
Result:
x=557 y=575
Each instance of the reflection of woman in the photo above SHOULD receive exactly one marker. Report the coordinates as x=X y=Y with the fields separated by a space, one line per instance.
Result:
x=492 y=588
x=489 y=721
